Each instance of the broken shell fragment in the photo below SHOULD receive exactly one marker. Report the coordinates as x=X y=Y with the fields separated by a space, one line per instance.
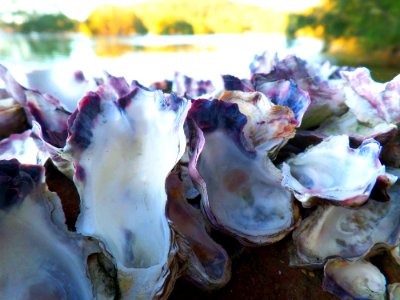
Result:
x=335 y=172
x=241 y=190
x=354 y=280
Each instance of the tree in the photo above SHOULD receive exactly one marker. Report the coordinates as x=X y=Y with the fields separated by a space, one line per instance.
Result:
x=115 y=20
x=48 y=23
x=178 y=27
x=139 y=26
x=374 y=23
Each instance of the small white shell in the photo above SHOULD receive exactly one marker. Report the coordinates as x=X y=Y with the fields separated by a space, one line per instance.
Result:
x=356 y=280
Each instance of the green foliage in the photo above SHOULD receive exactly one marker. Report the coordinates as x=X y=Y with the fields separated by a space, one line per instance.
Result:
x=375 y=23
x=47 y=23
x=178 y=27
x=139 y=26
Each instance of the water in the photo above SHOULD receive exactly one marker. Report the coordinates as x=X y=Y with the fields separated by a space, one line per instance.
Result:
x=147 y=58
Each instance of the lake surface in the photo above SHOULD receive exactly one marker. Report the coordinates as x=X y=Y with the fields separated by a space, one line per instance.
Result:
x=153 y=58
x=147 y=58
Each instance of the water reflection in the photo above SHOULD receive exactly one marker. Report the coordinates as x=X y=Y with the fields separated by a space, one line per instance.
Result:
x=46 y=46
x=111 y=47
x=115 y=47
x=50 y=47
x=39 y=47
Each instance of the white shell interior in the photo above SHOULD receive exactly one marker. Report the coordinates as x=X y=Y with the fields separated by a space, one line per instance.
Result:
x=332 y=170
x=123 y=192
x=244 y=194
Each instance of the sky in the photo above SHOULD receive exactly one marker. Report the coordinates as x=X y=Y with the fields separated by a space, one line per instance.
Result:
x=80 y=9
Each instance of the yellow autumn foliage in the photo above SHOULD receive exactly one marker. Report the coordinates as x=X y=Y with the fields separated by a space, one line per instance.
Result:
x=206 y=16
x=114 y=20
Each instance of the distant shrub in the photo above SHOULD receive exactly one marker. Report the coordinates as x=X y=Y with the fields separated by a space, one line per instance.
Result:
x=178 y=27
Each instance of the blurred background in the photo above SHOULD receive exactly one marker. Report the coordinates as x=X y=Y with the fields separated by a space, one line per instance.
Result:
x=149 y=40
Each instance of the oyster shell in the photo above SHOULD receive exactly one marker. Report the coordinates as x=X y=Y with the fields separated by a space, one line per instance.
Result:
x=326 y=94
x=350 y=233
x=47 y=117
x=268 y=126
x=281 y=92
x=186 y=86
x=241 y=190
x=263 y=63
x=66 y=85
x=119 y=85
x=122 y=152
x=44 y=111
x=333 y=171
x=286 y=92
x=50 y=261
x=354 y=280
x=25 y=147
x=349 y=125
x=208 y=265
x=372 y=102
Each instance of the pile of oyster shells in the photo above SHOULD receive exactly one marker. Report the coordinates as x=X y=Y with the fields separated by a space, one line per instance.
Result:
x=311 y=150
